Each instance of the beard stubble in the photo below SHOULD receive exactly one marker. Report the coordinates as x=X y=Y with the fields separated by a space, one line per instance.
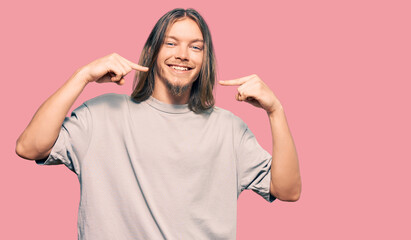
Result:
x=175 y=89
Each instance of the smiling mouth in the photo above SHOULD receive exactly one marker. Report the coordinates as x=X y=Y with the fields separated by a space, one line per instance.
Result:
x=180 y=68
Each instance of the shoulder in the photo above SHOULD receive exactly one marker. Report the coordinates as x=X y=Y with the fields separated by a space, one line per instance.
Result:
x=227 y=116
x=108 y=101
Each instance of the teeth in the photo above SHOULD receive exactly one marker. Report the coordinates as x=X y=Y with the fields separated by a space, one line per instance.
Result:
x=180 y=68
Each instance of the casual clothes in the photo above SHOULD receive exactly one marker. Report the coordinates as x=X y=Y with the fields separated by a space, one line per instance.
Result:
x=153 y=170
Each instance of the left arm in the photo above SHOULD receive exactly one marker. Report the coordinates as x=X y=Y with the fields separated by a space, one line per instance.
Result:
x=285 y=172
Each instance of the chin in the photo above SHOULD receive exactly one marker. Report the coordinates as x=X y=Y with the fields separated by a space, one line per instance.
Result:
x=177 y=89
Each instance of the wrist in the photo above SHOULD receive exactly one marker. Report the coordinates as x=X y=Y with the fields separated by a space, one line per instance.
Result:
x=277 y=108
x=277 y=117
x=80 y=77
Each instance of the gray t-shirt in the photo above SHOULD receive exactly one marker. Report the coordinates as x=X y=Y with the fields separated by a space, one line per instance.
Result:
x=153 y=170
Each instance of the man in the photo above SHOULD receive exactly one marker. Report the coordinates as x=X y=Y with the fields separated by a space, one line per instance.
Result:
x=163 y=163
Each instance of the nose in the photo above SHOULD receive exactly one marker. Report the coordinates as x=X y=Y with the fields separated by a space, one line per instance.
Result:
x=181 y=53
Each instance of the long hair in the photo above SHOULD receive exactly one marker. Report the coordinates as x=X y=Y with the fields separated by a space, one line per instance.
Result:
x=201 y=95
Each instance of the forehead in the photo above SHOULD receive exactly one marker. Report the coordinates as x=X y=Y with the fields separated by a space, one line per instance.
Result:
x=184 y=29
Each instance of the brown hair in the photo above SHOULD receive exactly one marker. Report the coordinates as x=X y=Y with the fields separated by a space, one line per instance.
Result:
x=201 y=95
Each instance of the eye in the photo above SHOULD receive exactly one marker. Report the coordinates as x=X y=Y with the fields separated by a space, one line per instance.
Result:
x=170 y=44
x=197 y=48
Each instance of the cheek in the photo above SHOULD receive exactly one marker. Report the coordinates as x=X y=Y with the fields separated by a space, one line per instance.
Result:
x=198 y=60
x=158 y=69
x=163 y=54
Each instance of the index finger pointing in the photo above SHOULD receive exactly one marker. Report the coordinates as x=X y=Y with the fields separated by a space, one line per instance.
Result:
x=235 y=82
x=137 y=67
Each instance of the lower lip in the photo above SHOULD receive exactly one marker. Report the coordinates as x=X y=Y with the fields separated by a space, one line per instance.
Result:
x=180 y=71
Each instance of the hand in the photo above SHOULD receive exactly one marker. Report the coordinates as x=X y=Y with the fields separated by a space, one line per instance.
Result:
x=110 y=68
x=254 y=91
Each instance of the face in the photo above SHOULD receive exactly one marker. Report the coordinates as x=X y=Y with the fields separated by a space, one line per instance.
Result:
x=180 y=57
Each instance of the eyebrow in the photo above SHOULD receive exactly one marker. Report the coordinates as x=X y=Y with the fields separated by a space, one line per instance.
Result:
x=195 y=40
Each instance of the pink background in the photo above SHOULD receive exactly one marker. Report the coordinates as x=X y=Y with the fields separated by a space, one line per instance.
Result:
x=340 y=68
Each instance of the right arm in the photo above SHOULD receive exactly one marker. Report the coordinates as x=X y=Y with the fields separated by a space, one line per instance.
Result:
x=38 y=138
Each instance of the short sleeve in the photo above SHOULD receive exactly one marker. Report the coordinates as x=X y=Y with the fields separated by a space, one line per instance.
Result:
x=253 y=163
x=72 y=142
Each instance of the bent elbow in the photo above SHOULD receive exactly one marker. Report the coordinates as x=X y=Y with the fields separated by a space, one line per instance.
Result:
x=22 y=151
x=290 y=196
x=293 y=198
